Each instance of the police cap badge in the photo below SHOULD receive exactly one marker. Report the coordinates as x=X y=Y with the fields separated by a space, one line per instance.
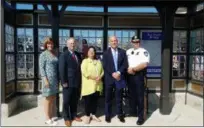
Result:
x=135 y=39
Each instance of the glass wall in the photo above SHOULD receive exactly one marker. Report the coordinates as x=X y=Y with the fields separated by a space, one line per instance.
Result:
x=9 y=60
x=25 y=59
x=93 y=37
x=25 y=50
x=64 y=34
x=179 y=60
x=197 y=61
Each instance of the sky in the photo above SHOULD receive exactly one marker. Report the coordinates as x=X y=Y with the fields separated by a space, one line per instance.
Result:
x=96 y=9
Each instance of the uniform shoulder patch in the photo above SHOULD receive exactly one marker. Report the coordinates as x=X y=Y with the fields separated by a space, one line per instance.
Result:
x=146 y=53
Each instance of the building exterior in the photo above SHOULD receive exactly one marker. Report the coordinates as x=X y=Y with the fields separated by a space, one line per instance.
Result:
x=173 y=33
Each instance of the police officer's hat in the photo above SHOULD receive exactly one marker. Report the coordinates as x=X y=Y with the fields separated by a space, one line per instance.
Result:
x=135 y=39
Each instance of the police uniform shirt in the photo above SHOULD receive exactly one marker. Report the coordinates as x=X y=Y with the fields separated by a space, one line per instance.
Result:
x=137 y=56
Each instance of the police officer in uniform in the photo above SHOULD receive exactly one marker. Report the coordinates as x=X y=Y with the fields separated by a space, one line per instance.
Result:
x=138 y=59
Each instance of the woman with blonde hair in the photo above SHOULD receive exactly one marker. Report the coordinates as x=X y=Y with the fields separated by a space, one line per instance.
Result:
x=48 y=64
x=92 y=73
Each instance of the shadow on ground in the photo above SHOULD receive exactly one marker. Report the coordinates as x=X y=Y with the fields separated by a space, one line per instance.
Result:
x=23 y=108
x=153 y=105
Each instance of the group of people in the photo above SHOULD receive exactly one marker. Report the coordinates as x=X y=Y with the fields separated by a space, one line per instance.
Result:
x=85 y=78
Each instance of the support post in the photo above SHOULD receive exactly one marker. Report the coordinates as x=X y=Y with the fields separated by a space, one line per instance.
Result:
x=55 y=18
x=190 y=11
x=2 y=54
x=55 y=36
x=166 y=13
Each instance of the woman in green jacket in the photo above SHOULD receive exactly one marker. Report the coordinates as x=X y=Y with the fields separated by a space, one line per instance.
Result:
x=92 y=86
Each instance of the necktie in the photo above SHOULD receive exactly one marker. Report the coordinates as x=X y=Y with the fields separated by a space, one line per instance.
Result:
x=115 y=57
x=73 y=56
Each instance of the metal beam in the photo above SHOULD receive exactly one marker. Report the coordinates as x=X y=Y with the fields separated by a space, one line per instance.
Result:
x=55 y=18
x=61 y=12
x=190 y=11
x=112 y=2
x=2 y=54
x=167 y=14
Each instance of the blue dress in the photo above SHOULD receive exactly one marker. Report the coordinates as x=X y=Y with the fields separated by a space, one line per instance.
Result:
x=48 y=64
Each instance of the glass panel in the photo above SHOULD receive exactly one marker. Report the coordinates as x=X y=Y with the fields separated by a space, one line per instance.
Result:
x=179 y=41
x=77 y=33
x=197 y=41
x=84 y=8
x=42 y=34
x=10 y=67
x=40 y=7
x=133 y=9
x=179 y=66
x=125 y=34
x=25 y=40
x=118 y=33
x=25 y=65
x=99 y=34
x=181 y=10
x=24 y=6
x=200 y=7
x=25 y=86
x=178 y=84
x=99 y=44
x=93 y=37
x=9 y=38
x=92 y=33
x=197 y=68
x=110 y=33
x=24 y=19
x=64 y=34
x=84 y=33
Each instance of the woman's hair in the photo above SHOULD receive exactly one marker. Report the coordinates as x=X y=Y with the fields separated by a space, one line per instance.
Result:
x=47 y=40
x=84 y=41
x=88 y=51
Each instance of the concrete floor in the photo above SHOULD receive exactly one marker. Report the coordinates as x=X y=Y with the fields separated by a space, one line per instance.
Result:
x=181 y=115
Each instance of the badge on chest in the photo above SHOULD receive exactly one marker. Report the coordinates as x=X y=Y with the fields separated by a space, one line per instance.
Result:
x=135 y=53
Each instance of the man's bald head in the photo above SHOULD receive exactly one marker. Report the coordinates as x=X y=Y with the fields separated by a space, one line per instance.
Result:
x=71 y=44
x=113 y=42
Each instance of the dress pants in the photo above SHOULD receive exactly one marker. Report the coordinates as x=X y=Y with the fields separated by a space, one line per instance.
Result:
x=91 y=103
x=70 y=101
x=136 y=90
x=109 y=98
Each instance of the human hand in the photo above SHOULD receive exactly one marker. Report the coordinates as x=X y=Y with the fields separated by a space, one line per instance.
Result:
x=65 y=85
x=92 y=77
x=98 y=78
x=46 y=83
x=130 y=71
x=116 y=76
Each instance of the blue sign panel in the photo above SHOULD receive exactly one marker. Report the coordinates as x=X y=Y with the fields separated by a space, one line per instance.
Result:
x=152 y=36
x=153 y=70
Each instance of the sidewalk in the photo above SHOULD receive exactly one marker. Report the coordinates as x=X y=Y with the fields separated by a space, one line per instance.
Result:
x=181 y=115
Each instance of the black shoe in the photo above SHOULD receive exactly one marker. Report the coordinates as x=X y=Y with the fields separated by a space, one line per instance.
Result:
x=121 y=118
x=108 y=119
x=140 y=122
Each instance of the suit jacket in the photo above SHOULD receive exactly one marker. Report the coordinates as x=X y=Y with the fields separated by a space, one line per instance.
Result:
x=109 y=67
x=70 y=69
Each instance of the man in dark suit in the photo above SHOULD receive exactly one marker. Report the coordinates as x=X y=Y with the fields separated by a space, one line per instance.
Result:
x=70 y=76
x=115 y=66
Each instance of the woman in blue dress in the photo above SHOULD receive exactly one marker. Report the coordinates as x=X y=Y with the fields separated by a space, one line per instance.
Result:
x=48 y=64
